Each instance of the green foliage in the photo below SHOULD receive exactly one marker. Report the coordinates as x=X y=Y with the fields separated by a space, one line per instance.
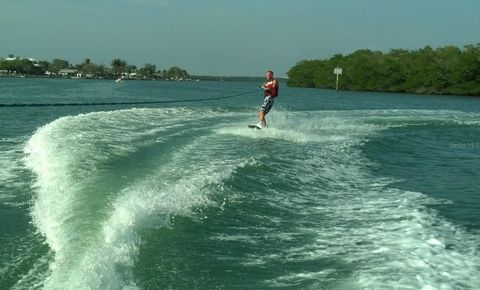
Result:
x=21 y=66
x=58 y=64
x=88 y=69
x=131 y=68
x=119 y=66
x=445 y=70
x=176 y=73
x=148 y=70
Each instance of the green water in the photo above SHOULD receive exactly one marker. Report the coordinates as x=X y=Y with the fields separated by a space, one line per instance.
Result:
x=343 y=190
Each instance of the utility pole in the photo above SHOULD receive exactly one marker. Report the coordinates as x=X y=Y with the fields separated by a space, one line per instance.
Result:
x=337 y=71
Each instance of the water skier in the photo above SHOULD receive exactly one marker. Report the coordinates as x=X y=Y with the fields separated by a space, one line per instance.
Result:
x=270 y=91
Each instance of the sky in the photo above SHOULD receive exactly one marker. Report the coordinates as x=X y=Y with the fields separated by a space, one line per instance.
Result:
x=229 y=37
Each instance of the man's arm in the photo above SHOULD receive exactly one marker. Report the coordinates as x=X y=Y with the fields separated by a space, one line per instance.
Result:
x=268 y=85
x=274 y=83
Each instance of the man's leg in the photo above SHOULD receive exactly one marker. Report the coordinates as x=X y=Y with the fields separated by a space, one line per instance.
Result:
x=261 y=118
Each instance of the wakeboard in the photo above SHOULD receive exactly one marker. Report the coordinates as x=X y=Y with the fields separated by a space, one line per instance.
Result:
x=254 y=127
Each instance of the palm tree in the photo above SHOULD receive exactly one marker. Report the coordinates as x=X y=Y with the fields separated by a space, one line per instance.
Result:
x=119 y=66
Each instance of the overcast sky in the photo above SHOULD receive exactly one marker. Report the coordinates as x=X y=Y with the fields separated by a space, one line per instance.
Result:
x=229 y=37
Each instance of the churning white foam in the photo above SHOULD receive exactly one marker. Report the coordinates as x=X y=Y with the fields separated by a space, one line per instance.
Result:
x=95 y=244
x=380 y=237
x=387 y=236
x=304 y=127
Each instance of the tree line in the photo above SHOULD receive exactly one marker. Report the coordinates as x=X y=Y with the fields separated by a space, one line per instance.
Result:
x=88 y=69
x=445 y=70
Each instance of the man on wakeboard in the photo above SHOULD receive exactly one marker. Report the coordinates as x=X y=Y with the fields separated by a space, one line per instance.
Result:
x=270 y=91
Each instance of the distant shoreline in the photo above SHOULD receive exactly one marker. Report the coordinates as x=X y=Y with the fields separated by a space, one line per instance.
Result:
x=445 y=70
x=192 y=78
x=229 y=79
